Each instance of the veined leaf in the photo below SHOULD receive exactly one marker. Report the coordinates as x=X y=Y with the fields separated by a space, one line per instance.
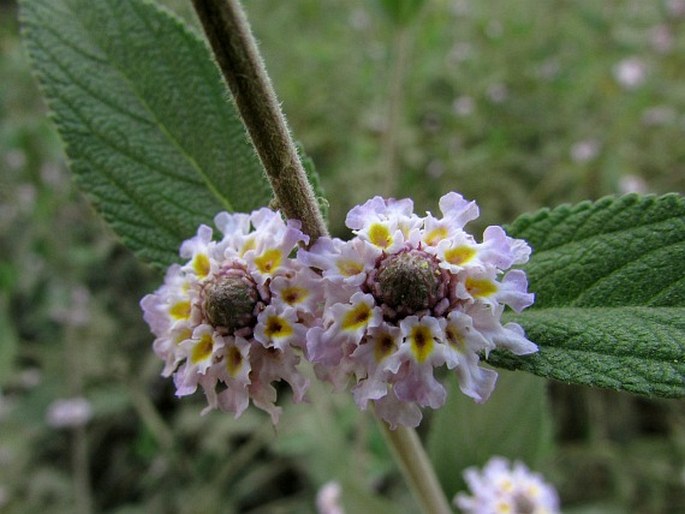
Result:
x=150 y=132
x=609 y=279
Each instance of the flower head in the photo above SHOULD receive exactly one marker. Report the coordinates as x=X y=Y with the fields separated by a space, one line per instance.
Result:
x=69 y=412
x=232 y=319
x=408 y=294
x=505 y=488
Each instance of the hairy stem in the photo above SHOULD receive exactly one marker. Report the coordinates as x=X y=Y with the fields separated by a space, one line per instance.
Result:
x=236 y=52
x=417 y=469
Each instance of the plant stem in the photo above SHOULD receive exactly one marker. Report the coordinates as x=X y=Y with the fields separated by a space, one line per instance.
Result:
x=236 y=52
x=393 y=118
x=417 y=469
x=235 y=49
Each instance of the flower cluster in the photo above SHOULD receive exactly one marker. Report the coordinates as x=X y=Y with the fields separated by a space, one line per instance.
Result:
x=408 y=294
x=505 y=488
x=405 y=295
x=233 y=318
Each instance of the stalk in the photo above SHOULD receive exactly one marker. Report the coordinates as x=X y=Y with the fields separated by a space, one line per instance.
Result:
x=238 y=57
x=236 y=52
x=416 y=468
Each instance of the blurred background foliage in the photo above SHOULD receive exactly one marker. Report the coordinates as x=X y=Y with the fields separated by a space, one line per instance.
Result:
x=518 y=105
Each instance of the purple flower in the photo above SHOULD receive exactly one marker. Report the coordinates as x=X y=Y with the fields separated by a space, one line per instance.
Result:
x=505 y=488
x=232 y=320
x=408 y=294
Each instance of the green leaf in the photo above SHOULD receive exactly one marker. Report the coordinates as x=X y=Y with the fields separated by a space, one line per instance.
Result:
x=314 y=180
x=151 y=134
x=609 y=279
x=493 y=428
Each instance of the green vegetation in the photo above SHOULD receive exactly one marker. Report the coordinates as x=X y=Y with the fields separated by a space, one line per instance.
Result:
x=518 y=105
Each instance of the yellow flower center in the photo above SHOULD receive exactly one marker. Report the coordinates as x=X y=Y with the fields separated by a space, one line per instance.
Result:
x=480 y=287
x=269 y=261
x=293 y=295
x=357 y=317
x=384 y=345
x=234 y=361
x=247 y=246
x=455 y=337
x=180 y=310
x=422 y=342
x=379 y=235
x=460 y=255
x=349 y=268
x=201 y=265
x=435 y=236
x=202 y=349
x=277 y=327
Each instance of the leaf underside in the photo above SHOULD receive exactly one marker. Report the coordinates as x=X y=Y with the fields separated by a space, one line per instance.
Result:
x=609 y=279
x=150 y=132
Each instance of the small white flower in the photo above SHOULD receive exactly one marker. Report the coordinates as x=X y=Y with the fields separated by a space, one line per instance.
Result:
x=464 y=106
x=232 y=320
x=428 y=295
x=676 y=8
x=659 y=115
x=585 y=150
x=498 y=93
x=661 y=38
x=632 y=184
x=69 y=413
x=328 y=499
x=630 y=73
x=502 y=487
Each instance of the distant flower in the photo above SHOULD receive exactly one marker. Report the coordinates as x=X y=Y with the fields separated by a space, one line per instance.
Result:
x=632 y=184
x=76 y=311
x=659 y=115
x=460 y=8
x=460 y=52
x=328 y=499
x=15 y=159
x=69 y=413
x=464 y=106
x=30 y=377
x=630 y=73
x=497 y=93
x=505 y=488
x=549 y=69
x=359 y=19
x=676 y=8
x=435 y=169
x=661 y=38
x=408 y=294
x=584 y=151
x=232 y=319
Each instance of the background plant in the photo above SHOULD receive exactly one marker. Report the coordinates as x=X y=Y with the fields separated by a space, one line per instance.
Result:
x=565 y=130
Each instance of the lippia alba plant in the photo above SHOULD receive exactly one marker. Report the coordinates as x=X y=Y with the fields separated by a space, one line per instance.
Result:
x=591 y=293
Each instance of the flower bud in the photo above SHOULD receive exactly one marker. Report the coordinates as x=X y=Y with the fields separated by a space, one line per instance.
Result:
x=230 y=302
x=408 y=282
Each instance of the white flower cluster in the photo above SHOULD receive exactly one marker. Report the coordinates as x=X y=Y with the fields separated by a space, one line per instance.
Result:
x=233 y=319
x=503 y=488
x=405 y=295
